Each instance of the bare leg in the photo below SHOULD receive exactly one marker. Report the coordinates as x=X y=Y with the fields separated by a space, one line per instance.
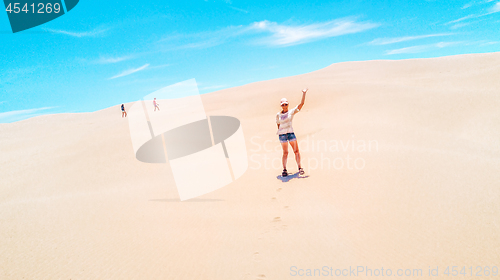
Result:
x=295 y=148
x=285 y=153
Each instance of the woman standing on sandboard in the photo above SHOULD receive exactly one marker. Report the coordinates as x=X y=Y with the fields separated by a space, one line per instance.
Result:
x=285 y=131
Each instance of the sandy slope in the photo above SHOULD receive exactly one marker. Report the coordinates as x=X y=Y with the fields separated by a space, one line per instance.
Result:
x=75 y=204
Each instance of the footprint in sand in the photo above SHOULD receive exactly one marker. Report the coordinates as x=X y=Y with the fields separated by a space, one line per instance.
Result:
x=261 y=277
x=279 y=189
x=273 y=198
x=263 y=234
x=257 y=257
x=277 y=219
x=287 y=207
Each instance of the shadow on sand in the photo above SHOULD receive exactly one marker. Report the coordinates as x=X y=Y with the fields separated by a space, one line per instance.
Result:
x=290 y=177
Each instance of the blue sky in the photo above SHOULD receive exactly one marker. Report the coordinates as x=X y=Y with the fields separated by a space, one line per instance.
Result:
x=104 y=53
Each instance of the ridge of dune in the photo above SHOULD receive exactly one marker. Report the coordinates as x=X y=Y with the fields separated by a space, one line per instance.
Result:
x=419 y=184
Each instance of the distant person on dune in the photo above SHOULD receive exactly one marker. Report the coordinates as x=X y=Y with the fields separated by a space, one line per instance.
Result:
x=124 y=114
x=157 y=106
x=285 y=131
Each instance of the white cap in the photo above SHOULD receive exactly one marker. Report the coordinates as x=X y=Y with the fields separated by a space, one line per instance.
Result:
x=284 y=101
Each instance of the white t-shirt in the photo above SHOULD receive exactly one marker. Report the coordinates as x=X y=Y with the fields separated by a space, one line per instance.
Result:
x=285 y=120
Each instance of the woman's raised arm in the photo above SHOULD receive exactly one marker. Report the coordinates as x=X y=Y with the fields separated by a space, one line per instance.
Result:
x=303 y=99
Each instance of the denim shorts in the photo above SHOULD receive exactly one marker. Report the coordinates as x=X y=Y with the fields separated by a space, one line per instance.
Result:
x=289 y=137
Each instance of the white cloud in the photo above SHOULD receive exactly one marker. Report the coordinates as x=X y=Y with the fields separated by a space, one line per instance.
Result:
x=94 y=33
x=287 y=35
x=462 y=19
x=17 y=115
x=238 y=9
x=459 y=25
x=110 y=60
x=266 y=33
x=476 y=2
x=229 y=4
x=492 y=10
x=468 y=5
x=387 y=41
x=414 y=49
x=495 y=8
x=160 y=66
x=201 y=40
x=490 y=43
x=445 y=44
x=129 y=71
x=421 y=48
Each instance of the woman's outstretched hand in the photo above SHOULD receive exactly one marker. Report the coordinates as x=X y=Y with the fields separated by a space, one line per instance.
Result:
x=303 y=98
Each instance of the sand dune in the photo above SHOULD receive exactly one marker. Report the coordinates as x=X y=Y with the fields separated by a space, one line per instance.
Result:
x=402 y=161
